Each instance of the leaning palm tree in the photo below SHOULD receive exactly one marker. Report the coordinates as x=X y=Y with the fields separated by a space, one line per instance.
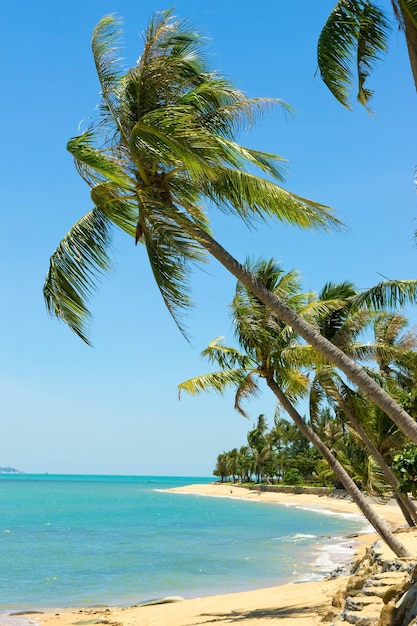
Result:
x=352 y=40
x=161 y=147
x=265 y=341
x=349 y=408
x=343 y=325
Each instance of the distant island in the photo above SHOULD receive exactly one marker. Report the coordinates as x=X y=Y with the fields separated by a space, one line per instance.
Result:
x=9 y=470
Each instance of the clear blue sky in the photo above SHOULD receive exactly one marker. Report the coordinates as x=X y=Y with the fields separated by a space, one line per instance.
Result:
x=68 y=408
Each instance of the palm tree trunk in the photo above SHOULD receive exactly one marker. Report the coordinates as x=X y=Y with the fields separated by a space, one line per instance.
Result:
x=380 y=526
x=404 y=503
x=324 y=347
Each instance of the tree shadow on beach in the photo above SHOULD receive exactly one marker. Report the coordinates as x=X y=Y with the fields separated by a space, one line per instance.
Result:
x=267 y=613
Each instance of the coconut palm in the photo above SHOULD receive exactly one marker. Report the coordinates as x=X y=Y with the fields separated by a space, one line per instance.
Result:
x=265 y=341
x=354 y=413
x=161 y=147
x=343 y=325
x=222 y=466
x=355 y=34
x=395 y=350
x=245 y=463
x=233 y=459
x=261 y=451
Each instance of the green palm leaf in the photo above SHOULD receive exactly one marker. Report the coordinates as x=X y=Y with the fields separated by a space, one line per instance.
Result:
x=215 y=381
x=74 y=266
x=94 y=165
x=355 y=34
x=226 y=357
x=388 y=294
x=105 y=47
x=251 y=197
x=170 y=250
x=247 y=388
x=118 y=208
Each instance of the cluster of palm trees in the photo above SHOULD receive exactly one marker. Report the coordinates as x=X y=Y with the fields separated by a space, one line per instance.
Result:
x=161 y=149
x=278 y=455
x=362 y=437
x=272 y=350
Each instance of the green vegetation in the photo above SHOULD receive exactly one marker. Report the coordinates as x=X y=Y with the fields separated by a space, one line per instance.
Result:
x=281 y=455
x=352 y=40
x=405 y=465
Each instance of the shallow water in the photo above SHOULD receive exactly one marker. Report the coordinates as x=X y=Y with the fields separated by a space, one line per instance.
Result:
x=88 y=540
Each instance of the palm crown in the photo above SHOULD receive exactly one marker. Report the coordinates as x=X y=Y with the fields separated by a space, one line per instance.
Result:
x=162 y=147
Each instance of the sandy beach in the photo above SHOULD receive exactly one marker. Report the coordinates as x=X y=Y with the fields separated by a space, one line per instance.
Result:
x=293 y=604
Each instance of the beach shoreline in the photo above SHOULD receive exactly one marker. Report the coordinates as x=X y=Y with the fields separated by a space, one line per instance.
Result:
x=295 y=604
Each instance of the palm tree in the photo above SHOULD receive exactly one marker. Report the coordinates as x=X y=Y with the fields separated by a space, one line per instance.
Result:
x=265 y=341
x=164 y=144
x=349 y=408
x=342 y=325
x=354 y=35
x=245 y=463
x=233 y=459
x=261 y=452
x=280 y=435
x=222 y=467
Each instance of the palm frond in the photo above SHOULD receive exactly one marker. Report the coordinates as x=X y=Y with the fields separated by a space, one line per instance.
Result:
x=354 y=33
x=224 y=110
x=118 y=208
x=363 y=352
x=247 y=388
x=171 y=59
x=294 y=383
x=94 y=165
x=388 y=327
x=215 y=381
x=240 y=156
x=315 y=401
x=74 y=266
x=105 y=47
x=372 y=40
x=354 y=323
x=170 y=250
x=251 y=197
x=161 y=139
x=225 y=356
x=388 y=294
x=408 y=341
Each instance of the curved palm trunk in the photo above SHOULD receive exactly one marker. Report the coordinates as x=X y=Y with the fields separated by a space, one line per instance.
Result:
x=375 y=520
x=324 y=347
x=404 y=503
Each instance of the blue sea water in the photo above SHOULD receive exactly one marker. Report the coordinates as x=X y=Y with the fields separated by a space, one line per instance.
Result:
x=120 y=540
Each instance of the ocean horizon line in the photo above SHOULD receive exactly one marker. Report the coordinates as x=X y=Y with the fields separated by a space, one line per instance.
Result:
x=107 y=475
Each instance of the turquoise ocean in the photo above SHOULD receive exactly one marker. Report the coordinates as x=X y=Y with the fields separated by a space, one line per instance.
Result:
x=121 y=540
